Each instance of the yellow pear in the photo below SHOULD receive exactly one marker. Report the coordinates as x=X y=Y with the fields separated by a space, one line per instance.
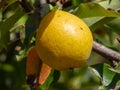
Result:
x=63 y=40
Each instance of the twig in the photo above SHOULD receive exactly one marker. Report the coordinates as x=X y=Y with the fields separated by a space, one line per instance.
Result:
x=26 y=6
x=106 y=52
x=118 y=39
x=117 y=88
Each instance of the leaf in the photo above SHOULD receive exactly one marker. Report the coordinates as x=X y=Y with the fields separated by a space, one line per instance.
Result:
x=93 y=73
x=31 y=26
x=114 y=4
x=110 y=34
x=1 y=15
x=77 y=2
x=107 y=75
x=99 y=68
x=10 y=9
x=114 y=81
x=116 y=69
x=97 y=22
x=33 y=22
x=86 y=10
x=115 y=25
x=118 y=83
x=56 y=76
x=10 y=3
x=101 y=22
x=44 y=73
x=7 y=25
x=89 y=78
x=92 y=21
x=48 y=81
x=110 y=1
x=45 y=9
x=55 y=8
x=8 y=68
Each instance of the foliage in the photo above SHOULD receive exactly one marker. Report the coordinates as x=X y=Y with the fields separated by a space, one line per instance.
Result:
x=18 y=24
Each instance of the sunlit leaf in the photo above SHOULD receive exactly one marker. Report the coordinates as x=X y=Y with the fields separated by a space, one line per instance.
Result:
x=111 y=4
x=86 y=10
x=54 y=8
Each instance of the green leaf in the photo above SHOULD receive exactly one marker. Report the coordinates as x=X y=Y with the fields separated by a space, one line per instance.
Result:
x=7 y=25
x=10 y=9
x=8 y=68
x=47 y=82
x=99 y=68
x=55 y=8
x=77 y=2
x=30 y=27
x=114 y=81
x=110 y=1
x=45 y=9
x=10 y=4
x=0 y=15
x=115 y=25
x=116 y=69
x=92 y=21
x=118 y=83
x=90 y=78
x=86 y=10
x=110 y=34
x=33 y=21
x=96 y=22
x=56 y=75
x=114 y=4
x=107 y=75
x=101 y=22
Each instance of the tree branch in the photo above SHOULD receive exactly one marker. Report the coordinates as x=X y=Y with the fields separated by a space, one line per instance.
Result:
x=106 y=52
